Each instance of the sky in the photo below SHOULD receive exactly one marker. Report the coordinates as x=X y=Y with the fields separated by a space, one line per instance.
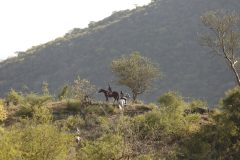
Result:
x=27 y=23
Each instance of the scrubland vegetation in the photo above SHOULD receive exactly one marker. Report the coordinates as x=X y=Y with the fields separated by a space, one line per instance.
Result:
x=41 y=126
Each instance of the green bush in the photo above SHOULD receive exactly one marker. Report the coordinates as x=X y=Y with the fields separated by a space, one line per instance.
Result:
x=63 y=92
x=72 y=122
x=14 y=97
x=3 y=112
x=37 y=100
x=220 y=139
x=34 y=142
x=161 y=123
x=172 y=101
x=100 y=109
x=198 y=104
x=231 y=106
x=9 y=144
x=73 y=105
x=30 y=102
x=42 y=115
x=106 y=147
x=44 y=142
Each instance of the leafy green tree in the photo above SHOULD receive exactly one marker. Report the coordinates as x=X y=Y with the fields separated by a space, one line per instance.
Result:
x=82 y=88
x=136 y=72
x=224 y=38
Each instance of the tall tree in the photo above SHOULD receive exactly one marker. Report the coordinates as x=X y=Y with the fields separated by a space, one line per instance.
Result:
x=82 y=88
x=224 y=38
x=136 y=72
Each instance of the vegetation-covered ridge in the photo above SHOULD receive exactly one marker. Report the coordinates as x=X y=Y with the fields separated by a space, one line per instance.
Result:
x=39 y=126
x=34 y=117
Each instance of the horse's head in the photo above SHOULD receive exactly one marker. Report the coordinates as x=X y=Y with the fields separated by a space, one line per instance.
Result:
x=127 y=95
x=101 y=90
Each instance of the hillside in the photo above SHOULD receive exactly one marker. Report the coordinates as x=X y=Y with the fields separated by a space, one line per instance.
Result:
x=165 y=31
x=34 y=126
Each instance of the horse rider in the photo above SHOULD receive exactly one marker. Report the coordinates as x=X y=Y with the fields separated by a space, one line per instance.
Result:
x=121 y=94
x=109 y=90
x=123 y=100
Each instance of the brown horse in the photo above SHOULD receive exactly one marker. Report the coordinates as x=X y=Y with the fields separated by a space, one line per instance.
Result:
x=108 y=94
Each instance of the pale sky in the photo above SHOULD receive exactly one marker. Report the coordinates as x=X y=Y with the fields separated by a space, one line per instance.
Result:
x=27 y=23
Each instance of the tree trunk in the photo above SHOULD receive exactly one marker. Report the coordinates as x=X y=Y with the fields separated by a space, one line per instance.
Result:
x=236 y=74
x=134 y=96
x=232 y=66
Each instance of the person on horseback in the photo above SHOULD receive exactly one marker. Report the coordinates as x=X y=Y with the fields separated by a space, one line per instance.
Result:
x=121 y=94
x=123 y=100
x=109 y=90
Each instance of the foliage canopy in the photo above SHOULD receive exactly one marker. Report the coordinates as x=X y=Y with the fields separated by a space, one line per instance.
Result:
x=136 y=72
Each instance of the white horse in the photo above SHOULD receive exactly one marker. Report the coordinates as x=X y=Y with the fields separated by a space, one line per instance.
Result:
x=123 y=101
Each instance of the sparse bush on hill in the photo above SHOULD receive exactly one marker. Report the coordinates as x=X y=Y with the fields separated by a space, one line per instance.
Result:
x=63 y=92
x=25 y=104
x=198 y=104
x=3 y=112
x=73 y=105
x=106 y=147
x=14 y=97
x=37 y=100
x=44 y=142
x=71 y=123
x=218 y=140
x=35 y=138
x=9 y=144
x=81 y=88
x=172 y=99
x=30 y=102
x=45 y=90
x=42 y=115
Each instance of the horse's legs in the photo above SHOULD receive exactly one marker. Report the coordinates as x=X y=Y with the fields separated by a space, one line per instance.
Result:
x=106 y=98
x=121 y=104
